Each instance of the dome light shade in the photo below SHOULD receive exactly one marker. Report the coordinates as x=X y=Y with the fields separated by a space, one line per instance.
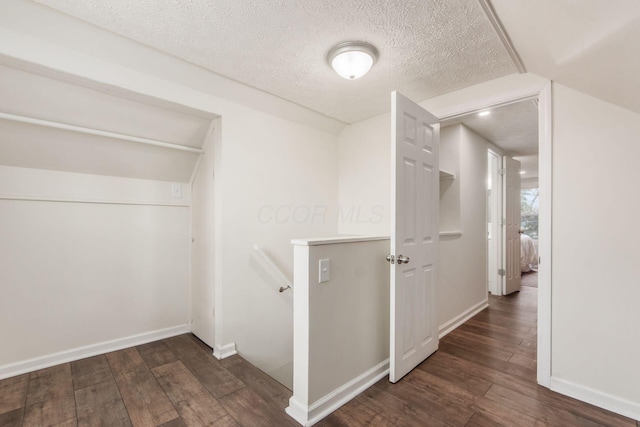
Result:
x=352 y=60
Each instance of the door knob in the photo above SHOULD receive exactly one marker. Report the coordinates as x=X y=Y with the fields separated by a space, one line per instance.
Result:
x=391 y=259
x=403 y=259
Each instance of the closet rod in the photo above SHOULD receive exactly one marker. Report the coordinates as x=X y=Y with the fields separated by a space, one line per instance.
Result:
x=113 y=135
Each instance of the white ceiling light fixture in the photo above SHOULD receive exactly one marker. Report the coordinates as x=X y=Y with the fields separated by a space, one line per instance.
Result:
x=352 y=60
x=484 y=113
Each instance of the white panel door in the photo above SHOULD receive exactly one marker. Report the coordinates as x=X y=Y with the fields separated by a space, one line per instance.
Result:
x=414 y=235
x=511 y=245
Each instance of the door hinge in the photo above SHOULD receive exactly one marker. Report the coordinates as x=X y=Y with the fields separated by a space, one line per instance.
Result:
x=503 y=221
x=502 y=272
x=502 y=171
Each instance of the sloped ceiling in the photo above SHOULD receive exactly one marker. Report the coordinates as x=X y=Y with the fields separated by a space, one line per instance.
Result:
x=589 y=45
x=38 y=116
x=427 y=47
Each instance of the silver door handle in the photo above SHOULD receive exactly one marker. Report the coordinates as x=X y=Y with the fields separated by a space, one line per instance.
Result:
x=391 y=259
x=403 y=259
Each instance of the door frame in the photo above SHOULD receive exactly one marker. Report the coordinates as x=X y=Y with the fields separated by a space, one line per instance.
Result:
x=496 y=229
x=510 y=228
x=543 y=92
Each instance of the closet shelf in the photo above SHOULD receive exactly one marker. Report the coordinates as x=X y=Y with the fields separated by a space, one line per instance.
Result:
x=446 y=175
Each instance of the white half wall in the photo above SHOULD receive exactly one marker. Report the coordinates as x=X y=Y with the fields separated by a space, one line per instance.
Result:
x=596 y=339
x=87 y=260
x=341 y=325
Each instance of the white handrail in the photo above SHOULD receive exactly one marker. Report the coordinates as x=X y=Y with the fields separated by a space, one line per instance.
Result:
x=96 y=132
x=273 y=269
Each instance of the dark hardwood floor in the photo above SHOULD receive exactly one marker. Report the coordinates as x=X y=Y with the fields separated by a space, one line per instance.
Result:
x=171 y=383
x=530 y=279
x=482 y=375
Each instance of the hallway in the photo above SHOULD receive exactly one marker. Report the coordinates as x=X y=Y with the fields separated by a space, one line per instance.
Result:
x=484 y=374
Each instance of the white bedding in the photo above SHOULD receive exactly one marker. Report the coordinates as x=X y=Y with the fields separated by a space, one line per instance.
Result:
x=528 y=255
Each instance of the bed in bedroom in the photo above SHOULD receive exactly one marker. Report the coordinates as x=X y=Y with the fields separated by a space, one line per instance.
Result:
x=528 y=255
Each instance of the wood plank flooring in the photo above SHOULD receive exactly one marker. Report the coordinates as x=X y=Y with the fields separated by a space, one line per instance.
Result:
x=482 y=375
x=530 y=279
x=171 y=383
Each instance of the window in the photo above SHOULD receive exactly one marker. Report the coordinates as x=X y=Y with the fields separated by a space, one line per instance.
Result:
x=529 y=207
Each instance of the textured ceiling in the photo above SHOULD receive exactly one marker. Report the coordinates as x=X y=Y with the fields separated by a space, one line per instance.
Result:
x=513 y=127
x=589 y=45
x=528 y=166
x=427 y=47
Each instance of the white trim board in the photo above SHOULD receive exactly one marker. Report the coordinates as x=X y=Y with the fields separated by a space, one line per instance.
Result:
x=17 y=197
x=310 y=415
x=496 y=98
x=78 y=353
x=597 y=398
x=223 y=351
x=98 y=132
x=545 y=185
x=452 y=324
x=502 y=34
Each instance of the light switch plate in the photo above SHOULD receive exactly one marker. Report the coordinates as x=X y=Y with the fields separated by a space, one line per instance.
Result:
x=325 y=270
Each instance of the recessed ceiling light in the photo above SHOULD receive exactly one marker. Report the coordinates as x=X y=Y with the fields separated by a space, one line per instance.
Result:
x=522 y=172
x=484 y=113
x=352 y=60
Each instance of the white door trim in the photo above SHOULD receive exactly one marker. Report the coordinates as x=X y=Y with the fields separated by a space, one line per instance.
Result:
x=545 y=152
x=544 y=94
x=496 y=230
x=511 y=228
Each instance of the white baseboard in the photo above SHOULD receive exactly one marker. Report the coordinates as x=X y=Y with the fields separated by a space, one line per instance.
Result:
x=308 y=416
x=49 y=360
x=452 y=324
x=223 y=351
x=594 y=397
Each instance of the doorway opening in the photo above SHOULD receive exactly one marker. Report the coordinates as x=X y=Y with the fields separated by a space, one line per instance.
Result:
x=519 y=129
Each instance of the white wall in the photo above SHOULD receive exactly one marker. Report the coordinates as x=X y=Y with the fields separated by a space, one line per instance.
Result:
x=450 y=187
x=596 y=340
x=272 y=152
x=365 y=159
x=462 y=282
x=279 y=182
x=365 y=171
x=341 y=326
x=106 y=259
x=529 y=183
